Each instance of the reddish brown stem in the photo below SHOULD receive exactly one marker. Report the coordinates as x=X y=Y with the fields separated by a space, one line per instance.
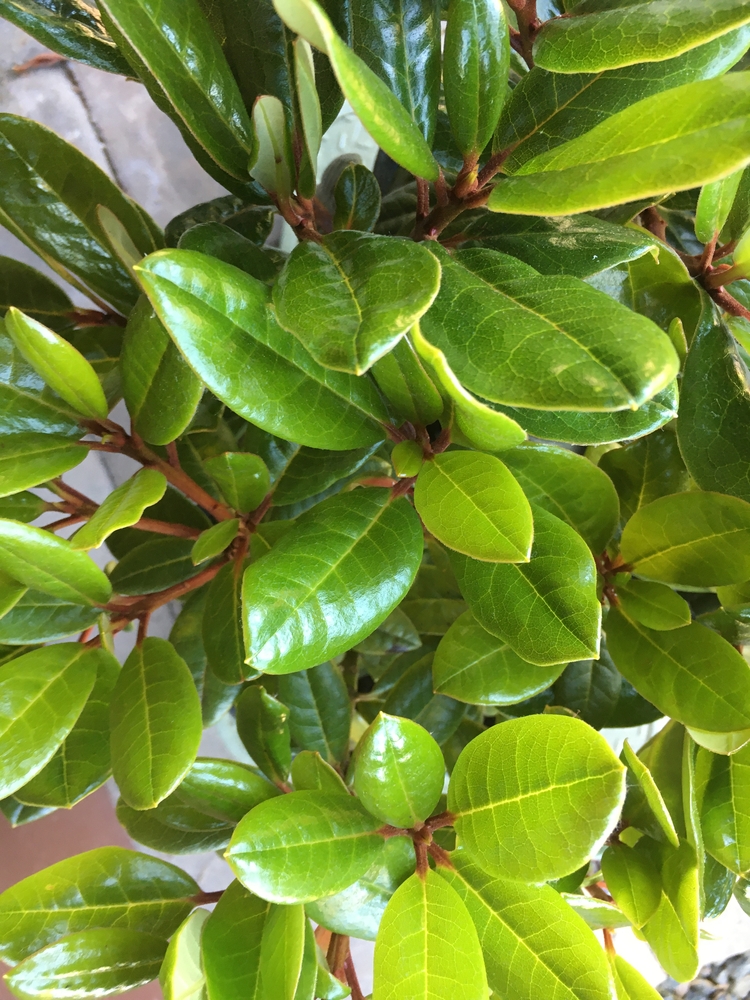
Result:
x=351 y=978
x=440 y=821
x=204 y=898
x=143 y=628
x=166 y=528
x=656 y=225
x=609 y=940
x=338 y=950
x=423 y=198
x=709 y=250
x=439 y=856
x=420 y=849
x=172 y=457
x=728 y=303
x=86 y=634
x=65 y=522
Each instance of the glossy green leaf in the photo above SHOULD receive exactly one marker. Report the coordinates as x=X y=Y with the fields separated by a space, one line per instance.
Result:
x=106 y=887
x=695 y=539
x=37 y=617
x=476 y=61
x=160 y=390
x=43 y=694
x=24 y=507
x=319 y=710
x=222 y=626
x=272 y=168
x=590 y=689
x=428 y=945
x=475 y=666
x=646 y=469
x=231 y=945
x=653 y=605
x=358 y=910
x=552 y=775
x=218 y=240
x=286 y=595
x=250 y=218
x=75 y=31
x=413 y=697
x=714 y=206
x=673 y=141
x=633 y=33
x=124 y=506
x=81 y=764
x=304 y=846
x=407 y=458
x=184 y=60
x=161 y=561
x=372 y=288
x=264 y=730
x=672 y=932
x=225 y=789
x=243 y=479
x=548 y=109
x=382 y=114
x=597 y=428
x=11 y=591
x=90 y=963
x=595 y=913
x=532 y=944
x=17 y=814
x=45 y=456
x=214 y=540
x=690 y=673
x=156 y=724
x=45 y=562
x=49 y=200
x=281 y=951
x=725 y=808
x=568 y=486
x=406 y=384
x=146 y=826
x=580 y=245
x=61 y=366
x=181 y=976
x=472 y=503
x=515 y=337
x=633 y=880
x=629 y=983
x=546 y=609
x=311 y=773
x=399 y=771
x=721 y=743
x=357 y=199
x=714 y=408
x=221 y=321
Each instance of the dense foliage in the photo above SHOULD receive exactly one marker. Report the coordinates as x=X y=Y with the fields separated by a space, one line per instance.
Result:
x=458 y=482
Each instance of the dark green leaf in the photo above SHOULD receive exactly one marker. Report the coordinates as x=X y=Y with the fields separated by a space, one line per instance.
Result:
x=356 y=195
x=37 y=617
x=249 y=219
x=225 y=244
x=284 y=595
x=372 y=288
x=222 y=627
x=264 y=730
x=18 y=814
x=591 y=689
x=154 y=565
x=224 y=789
x=406 y=384
x=156 y=723
x=646 y=469
x=32 y=292
x=24 y=507
x=319 y=710
x=547 y=609
x=221 y=321
x=564 y=338
x=106 y=887
x=145 y=826
x=413 y=697
x=304 y=846
x=552 y=775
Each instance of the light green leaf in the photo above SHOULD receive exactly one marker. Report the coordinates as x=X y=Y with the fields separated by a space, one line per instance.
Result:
x=160 y=389
x=185 y=65
x=106 y=887
x=475 y=666
x=181 y=976
x=672 y=932
x=382 y=114
x=23 y=506
x=552 y=775
x=319 y=710
x=11 y=591
x=224 y=789
x=595 y=913
x=220 y=318
x=123 y=507
x=90 y=963
x=653 y=605
x=243 y=479
x=37 y=617
x=428 y=945
x=680 y=139
x=695 y=539
x=45 y=562
x=310 y=115
x=62 y=367
x=214 y=540
x=568 y=486
x=263 y=728
x=317 y=566
x=399 y=771
x=231 y=945
x=629 y=983
x=690 y=673
x=472 y=504
x=516 y=337
x=714 y=205
x=371 y=288
x=43 y=693
x=272 y=166
x=304 y=846
x=310 y=773
x=725 y=807
x=281 y=951
x=81 y=763
x=633 y=880
x=156 y=724
x=532 y=944
x=547 y=609
x=651 y=792
x=590 y=41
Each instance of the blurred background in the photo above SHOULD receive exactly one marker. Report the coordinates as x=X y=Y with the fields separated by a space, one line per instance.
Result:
x=114 y=122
